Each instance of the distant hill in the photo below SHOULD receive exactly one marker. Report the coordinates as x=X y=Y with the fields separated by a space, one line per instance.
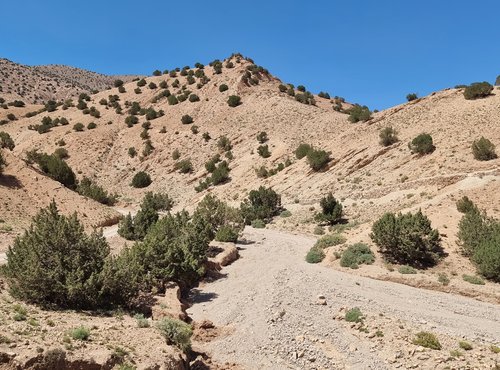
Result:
x=38 y=84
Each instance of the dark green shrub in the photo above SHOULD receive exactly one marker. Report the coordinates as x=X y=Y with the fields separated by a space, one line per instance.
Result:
x=427 y=340
x=487 y=254
x=118 y=83
x=78 y=127
x=121 y=90
x=6 y=141
x=422 y=144
x=411 y=97
x=262 y=204
x=318 y=159
x=61 y=153
x=483 y=149
x=359 y=113
x=302 y=150
x=227 y=233
x=331 y=210
x=194 y=98
x=156 y=72
x=301 y=88
x=176 y=332
x=329 y=241
x=282 y=88
x=3 y=163
x=221 y=174
x=91 y=126
x=184 y=166
x=263 y=151
x=315 y=255
x=407 y=239
x=186 y=119
x=176 y=154
x=224 y=144
x=152 y=85
x=478 y=90
x=233 y=101
x=195 y=129
x=497 y=81
x=474 y=227
x=258 y=224
x=141 y=82
x=89 y=189
x=206 y=136
x=357 y=254
x=172 y=100
x=55 y=263
x=324 y=95
x=141 y=180
x=388 y=136
x=56 y=169
x=262 y=137
x=11 y=117
x=132 y=152
x=465 y=205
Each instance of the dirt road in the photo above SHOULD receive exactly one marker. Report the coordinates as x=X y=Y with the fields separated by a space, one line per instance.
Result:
x=268 y=302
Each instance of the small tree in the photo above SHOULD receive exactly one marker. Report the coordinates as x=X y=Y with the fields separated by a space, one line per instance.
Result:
x=331 y=210
x=478 y=90
x=318 y=159
x=422 y=144
x=411 y=97
x=234 y=101
x=141 y=180
x=388 y=136
x=186 y=119
x=262 y=204
x=407 y=239
x=483 y=149
x=359 y=113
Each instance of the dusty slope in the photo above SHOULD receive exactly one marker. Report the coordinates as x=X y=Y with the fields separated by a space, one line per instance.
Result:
x=37 y=84
x=267 y=302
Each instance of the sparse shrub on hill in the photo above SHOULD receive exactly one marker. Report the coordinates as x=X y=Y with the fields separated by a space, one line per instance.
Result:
x=324 y=95
x=465 y=205
x=156 y=72
x=427 y=340
x=388 y=136
x=262 y=204
x=54 y=167
x=6 y=141
x=138 y=90
x=315 y=255
x=478 y=90
x=223 y=87
x=118 y=83
x=301 y=88
x=411 y=97
x=359 y=113
x=221 y=174
x=78 y=127
x=88 y=188
x=11 y=117
x=233 y=101
x=497 y=81
x=422 y=144
x=262 y=137
x=282 y=88
x=141 y=82
x=407 y=239
x=302 y=150
x=184 y=166
x=224 y=144
x=357 y=254
x=186 y=119
x=132 y=152
x=318 y=159
x=91 y=126
x=263 y=151
x=131 y=120
x=176 y=332
x=3 y=163
x=121 y=89
x=152 y=85
x=61 y=153
x=483 y=149
x=172 y=100
x=206 y=136
x=141 y=180
x=331 y=210
x=194 y=98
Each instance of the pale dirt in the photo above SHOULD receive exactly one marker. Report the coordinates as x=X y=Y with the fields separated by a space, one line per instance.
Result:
x=272 y=279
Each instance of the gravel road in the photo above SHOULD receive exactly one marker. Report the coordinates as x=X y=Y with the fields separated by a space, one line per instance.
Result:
x=268 y=302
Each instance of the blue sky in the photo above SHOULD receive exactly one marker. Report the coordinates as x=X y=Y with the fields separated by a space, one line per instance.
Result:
x=370 y=52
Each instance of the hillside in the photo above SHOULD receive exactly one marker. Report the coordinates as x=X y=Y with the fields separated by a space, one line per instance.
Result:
x=39 y=84
x=368 y=178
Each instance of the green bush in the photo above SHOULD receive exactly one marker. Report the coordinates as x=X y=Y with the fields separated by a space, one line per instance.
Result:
x=359 y=113
x=176 y=332
x=465 y=345
x=141 y=82
x=89 y=189
x=233 y=101
x=483 y=149
x=186 y=119
x=465 y=205
x=354 y=315
x=258 y=224
x=487 y=255
x=194 y=98
x=262 y=204
x=91 y=126
x=302 y=150
x=227 y=233
x=318 y=159
x=184 y=166
x=55 y=263
x=78 y=127
x=220 y=174
x=388 y=136
x=478 y=90
x=3 y=163
x=315 y=255
x=331 y=210
x=56 y=169
x=476 y=280
x=172 y=100
x=132 y=152
x=263 y=151
x=411 y=97
x=6 y=141
x=330 y=240
x=407 y=270
x=408 y=239
x=262 y=137
x=118 y=83
x=474 y=227
x=356 y=255
x=223 y=87
x=422 y=144
x=142 y=322
x=224 y=144
x=427 y=340
x=80 y=333
x=141 y=180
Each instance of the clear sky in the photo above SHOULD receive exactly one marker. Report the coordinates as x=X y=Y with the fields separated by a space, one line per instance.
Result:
x=370 y=52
